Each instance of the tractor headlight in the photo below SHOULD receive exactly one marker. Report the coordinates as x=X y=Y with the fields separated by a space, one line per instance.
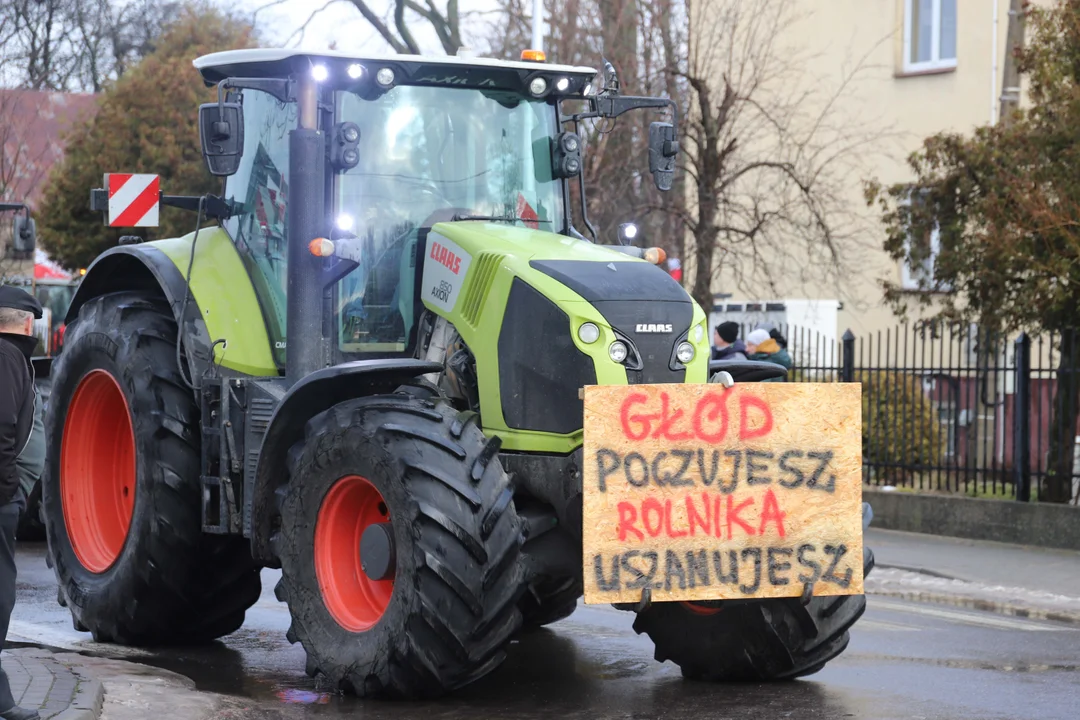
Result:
x=618 y=351
x=385 y=77
x=685 y=352
x=538 y=86
x=588 y=333
x=699 y=333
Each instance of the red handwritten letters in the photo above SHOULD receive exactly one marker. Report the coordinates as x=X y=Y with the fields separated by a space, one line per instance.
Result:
x=707 y=421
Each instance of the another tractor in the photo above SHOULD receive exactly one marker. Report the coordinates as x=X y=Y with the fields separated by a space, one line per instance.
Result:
x=369 y=375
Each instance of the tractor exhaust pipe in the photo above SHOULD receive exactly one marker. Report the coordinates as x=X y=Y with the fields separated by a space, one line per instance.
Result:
x=307 y=220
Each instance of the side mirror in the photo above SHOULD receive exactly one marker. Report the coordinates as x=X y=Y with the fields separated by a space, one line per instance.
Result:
x=566 y=155
x=221 y=128
x=612 y=86
x=24 y=237
x=663 y=148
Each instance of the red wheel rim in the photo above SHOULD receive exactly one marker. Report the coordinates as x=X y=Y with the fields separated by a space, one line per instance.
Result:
x=699 y=609
x=354 y=600
x=97 y=471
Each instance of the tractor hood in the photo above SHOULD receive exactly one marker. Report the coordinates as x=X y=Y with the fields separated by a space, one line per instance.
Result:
x=519 y=298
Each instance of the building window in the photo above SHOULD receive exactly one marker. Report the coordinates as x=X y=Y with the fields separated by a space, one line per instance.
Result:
x=929 y=35
x=918 y=269
x=921 y=253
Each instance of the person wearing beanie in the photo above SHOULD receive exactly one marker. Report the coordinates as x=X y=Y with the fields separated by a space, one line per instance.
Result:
x=726 y=342
x=760 y=345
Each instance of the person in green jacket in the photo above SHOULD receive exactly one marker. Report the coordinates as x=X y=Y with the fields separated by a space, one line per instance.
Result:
x=760 y=345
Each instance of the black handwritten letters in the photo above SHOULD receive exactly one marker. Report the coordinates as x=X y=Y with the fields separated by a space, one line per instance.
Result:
x=722 y=470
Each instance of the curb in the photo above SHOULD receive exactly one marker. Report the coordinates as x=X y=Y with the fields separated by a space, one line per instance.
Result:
x=970 y=603
x=918 y=570
x=88 y=701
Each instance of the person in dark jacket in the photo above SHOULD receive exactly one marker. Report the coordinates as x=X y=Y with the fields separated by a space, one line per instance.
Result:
x=726 y=342
x=18 y=400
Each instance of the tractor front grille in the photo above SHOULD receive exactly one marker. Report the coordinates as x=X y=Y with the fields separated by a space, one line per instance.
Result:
x=629 y=294
x=654 y=349
x=540 y=368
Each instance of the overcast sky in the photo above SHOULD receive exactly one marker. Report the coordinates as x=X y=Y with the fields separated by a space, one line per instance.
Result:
x=341 y=24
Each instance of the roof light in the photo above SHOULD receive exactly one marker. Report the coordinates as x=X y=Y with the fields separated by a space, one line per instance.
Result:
x=321 y=247
x=654 y=255
x=356 y=71
x=533 y=55
x=538 y=86
x=562 y=84
x=385 y=77
x=319 y=73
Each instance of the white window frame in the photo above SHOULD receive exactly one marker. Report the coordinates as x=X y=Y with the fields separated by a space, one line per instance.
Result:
x=921 y=278
x=935 y=62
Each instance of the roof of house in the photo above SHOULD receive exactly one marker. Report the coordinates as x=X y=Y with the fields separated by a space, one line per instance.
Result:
x=32 y=128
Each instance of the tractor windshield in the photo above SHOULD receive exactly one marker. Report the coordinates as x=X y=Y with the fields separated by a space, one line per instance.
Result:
x=427 y=153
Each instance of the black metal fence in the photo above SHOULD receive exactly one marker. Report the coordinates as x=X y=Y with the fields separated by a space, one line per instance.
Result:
x=949 y=408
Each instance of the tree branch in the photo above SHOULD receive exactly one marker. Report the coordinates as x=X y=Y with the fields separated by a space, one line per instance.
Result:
x=403 y=28
x=380 y=26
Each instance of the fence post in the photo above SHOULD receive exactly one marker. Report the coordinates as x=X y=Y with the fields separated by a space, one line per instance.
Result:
x=847 y=359
x=1022 y=420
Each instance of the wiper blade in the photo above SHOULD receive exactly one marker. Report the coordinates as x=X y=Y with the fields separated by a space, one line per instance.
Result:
x=499 y=218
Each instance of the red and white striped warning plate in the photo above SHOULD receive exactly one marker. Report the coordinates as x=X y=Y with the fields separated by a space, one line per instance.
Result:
x=133 y=200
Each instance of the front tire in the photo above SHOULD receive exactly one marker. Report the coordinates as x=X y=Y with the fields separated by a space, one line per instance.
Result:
x=550 y=601
x=754 y=641
x=444 y=608
x=121 y=487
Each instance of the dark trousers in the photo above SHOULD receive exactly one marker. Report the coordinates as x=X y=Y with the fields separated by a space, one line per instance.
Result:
x=9 y=521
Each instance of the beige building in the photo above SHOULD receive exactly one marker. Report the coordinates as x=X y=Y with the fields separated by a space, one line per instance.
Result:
x=928 y=66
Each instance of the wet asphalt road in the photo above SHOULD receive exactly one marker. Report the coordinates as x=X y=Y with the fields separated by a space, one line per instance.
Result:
x=905 y=660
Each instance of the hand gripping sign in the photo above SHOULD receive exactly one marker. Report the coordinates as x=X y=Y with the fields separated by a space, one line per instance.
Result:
x=700 y=492
x=133 y=199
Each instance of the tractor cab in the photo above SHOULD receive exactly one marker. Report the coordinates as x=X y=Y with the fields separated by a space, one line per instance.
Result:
x=392 y=147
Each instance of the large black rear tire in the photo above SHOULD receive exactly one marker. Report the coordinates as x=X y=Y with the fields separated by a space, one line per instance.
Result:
x=160 y=580
x=756 y=641
x=448 y=607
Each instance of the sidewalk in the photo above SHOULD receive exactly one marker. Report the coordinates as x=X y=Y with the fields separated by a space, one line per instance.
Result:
x=1012 y=579
x=40 y=682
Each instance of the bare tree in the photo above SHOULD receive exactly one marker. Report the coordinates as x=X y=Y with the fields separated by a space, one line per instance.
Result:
x=68 y=45
x=641 y=40
x=769 y=153
x=22 y=164
x=397 y=26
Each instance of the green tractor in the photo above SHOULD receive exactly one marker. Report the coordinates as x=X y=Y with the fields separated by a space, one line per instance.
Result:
x=369 y=375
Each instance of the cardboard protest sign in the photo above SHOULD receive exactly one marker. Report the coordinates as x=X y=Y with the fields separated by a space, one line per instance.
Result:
x=700 y=492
